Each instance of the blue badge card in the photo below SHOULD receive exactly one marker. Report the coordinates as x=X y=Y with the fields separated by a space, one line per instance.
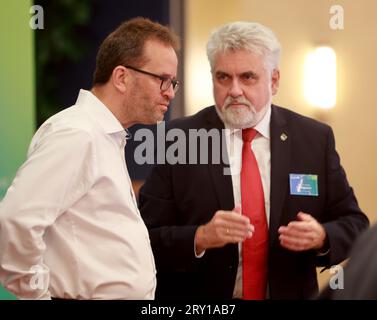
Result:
x=303 y=184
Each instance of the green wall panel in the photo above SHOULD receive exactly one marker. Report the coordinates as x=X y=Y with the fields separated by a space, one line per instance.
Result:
x=17 y=91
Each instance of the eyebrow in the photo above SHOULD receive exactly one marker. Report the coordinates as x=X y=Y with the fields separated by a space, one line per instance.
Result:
x=249 y=72
x=167 y=76
x=221 y=72
x=252 y=73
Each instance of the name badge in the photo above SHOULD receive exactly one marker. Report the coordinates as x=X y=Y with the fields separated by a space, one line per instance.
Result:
x=303 y=184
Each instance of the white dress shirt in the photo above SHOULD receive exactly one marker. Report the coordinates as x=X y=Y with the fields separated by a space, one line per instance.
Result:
x=69 y=223
x=261 y=148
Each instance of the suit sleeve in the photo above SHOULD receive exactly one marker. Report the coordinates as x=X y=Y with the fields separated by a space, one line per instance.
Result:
x=344 y=220
x=172 y=242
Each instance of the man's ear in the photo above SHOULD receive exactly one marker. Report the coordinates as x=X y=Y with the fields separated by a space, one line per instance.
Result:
x=275 y=78
x=119 y=77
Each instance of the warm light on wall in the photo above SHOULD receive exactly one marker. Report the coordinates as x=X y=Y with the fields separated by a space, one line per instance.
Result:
x=320 y=78
x=198 y=81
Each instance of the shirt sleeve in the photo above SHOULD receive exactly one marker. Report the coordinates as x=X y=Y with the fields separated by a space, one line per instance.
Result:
x=58 y=171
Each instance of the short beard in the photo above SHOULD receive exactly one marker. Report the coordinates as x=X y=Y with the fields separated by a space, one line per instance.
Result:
x=240 y=118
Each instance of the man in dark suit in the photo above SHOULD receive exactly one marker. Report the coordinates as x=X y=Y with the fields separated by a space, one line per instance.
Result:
x=257 y=223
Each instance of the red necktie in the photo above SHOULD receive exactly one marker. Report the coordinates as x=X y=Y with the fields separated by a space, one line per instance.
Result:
x=255 y=249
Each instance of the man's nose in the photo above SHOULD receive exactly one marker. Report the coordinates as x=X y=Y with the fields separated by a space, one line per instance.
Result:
x=235 y=89
x=169 y=93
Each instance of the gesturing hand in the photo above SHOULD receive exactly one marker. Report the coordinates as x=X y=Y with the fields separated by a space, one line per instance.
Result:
x=225 y=227
x=304 y=234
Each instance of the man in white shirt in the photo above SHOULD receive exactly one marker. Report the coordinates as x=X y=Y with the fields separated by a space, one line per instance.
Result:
x=69 y=223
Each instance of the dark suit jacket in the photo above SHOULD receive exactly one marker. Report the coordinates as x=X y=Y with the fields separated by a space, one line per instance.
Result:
x=176 y=199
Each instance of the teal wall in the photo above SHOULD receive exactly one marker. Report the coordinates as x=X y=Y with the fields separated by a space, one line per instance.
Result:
x=17 y=91
x=16 y=88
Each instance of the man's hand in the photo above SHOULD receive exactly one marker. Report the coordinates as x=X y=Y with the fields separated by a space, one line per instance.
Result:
x=225 y=227
x=304 y=234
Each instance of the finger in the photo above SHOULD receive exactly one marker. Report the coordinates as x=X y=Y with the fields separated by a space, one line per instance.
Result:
x=297 y=225
x=298 y=232
x=235 y=239
x=302 y=216
x=288 y=230
x=235 y=217
x=234 y=221
x=308 y=240
x=233 y=236
x=242 y=228
x=302 y=226
x=294 y=244
x=224 y=221
x=230 y=233
x=234 y=230
x=237 y=225
x=282 y=229
x=309 y=237
x=237 y=209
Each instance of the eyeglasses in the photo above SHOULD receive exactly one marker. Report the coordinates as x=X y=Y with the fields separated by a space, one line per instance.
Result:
x=166 y=82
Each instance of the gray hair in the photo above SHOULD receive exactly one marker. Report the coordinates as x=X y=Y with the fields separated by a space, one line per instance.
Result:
x=249 y=36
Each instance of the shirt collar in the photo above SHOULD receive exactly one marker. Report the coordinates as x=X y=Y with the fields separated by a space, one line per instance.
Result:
x=99 y=112
x=263 y=126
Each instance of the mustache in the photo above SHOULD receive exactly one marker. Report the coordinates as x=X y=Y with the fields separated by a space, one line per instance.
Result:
x=240 y=100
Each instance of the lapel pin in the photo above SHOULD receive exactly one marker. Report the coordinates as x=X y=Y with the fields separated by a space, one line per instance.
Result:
x=283 y=137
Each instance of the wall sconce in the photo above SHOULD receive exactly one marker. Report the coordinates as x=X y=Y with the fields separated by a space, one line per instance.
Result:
x=320 y=78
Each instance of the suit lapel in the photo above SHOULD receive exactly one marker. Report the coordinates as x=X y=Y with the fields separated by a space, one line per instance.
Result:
x=280 y=158
x=222 y=183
